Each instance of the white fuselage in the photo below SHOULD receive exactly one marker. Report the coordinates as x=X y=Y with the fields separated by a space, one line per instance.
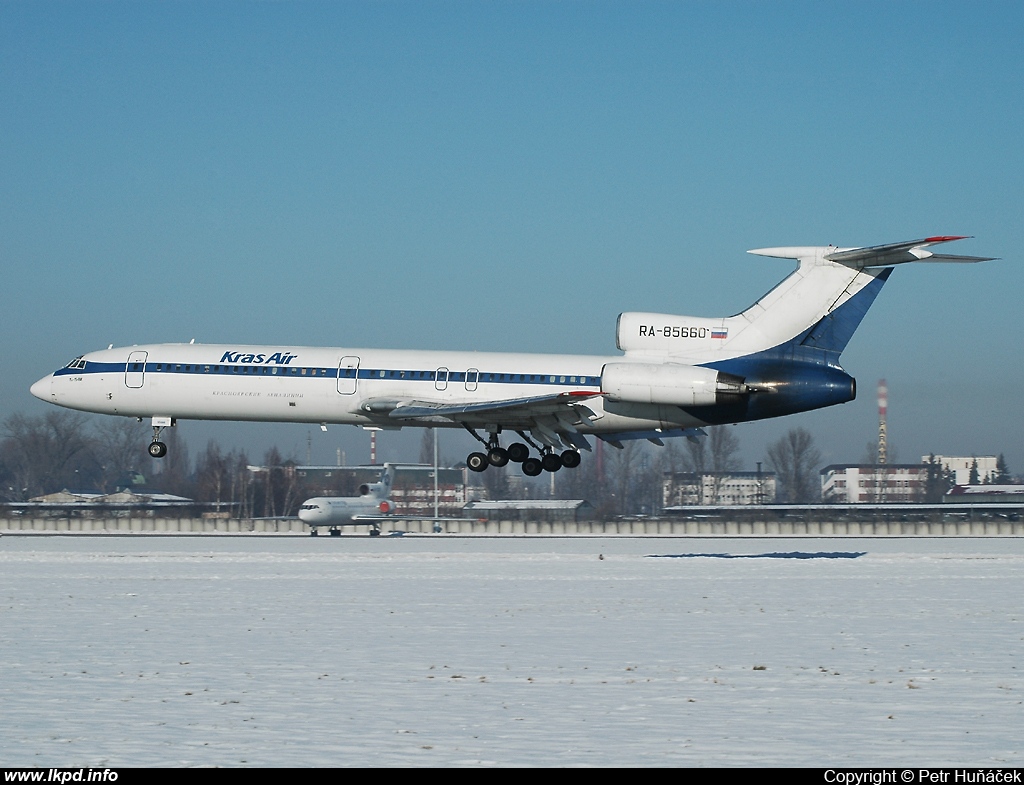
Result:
x=328 y=385
x=343 y=511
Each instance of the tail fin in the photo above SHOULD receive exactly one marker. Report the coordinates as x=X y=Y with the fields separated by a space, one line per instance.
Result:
x=833 y=288
x=817 y=307
x=387 y=479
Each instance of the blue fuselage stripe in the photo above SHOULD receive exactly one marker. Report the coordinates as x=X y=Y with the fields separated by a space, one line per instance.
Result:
x=306 y=372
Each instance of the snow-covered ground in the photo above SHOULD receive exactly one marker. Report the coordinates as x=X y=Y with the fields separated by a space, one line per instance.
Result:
x=435 y=650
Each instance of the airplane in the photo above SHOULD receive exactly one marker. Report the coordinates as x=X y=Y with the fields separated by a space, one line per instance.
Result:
x=371 y=506
x=676 y=374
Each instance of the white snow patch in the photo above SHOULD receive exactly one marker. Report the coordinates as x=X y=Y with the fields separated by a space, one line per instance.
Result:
x=445 y=651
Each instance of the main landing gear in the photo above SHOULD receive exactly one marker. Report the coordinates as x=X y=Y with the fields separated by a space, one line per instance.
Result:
x=517 y=452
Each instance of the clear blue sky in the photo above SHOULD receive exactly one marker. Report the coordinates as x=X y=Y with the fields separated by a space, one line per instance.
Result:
x=511 y=176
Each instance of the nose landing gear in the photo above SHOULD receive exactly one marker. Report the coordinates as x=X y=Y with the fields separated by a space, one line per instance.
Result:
x=157 y=449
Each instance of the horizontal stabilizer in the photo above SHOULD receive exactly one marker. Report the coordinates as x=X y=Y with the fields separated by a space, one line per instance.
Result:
x=900 y=253
x=875 y=255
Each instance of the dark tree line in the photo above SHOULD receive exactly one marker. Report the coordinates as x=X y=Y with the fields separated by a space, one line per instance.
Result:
x=63 y=450
x=66 y=450
x=58 y=450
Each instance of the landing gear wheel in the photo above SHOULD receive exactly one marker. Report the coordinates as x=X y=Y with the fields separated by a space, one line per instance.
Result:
x=477 y=462
x=518 y=452
x=532 y=467
x=570 y=459
x=335 y=532
x=157 y=449
x=375 y=532
x=497 y=456
x=551 y=462
x=313 y=532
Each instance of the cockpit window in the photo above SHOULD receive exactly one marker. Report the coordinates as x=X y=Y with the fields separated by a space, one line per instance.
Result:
x=77 y=364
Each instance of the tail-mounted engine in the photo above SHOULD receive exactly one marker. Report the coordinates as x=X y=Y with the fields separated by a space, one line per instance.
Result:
x=670 y=384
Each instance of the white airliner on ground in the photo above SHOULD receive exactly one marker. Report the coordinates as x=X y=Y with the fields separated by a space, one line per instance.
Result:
x=371 y=506
x=676 y=373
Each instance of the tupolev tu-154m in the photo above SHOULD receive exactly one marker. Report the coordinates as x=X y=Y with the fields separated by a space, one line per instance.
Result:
x=372 y=506
x=675 y=374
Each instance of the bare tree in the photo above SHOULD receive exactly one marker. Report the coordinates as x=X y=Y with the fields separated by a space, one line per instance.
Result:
x=175 y=474
x=427 y=446
x=242 y=484
x=580 y=483
x=633 y=478
x=795 y=460
x=494 y=480
x=709 y=459
x=694 y=459
x=45 y=454
x=119 y=450
x=621 y=467
x=723 y=447
x=213 y=476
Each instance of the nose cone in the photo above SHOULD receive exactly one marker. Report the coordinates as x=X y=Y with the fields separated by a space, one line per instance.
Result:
x=309 y=512
x=42 y=388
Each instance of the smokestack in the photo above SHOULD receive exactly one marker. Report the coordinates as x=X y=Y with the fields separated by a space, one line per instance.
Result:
x=883 y=405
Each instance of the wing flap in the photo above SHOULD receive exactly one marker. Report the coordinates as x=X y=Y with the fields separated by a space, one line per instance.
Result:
x=515 y=409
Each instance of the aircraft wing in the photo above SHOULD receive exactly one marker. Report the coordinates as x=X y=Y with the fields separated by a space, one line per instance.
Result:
x=551 y=418
x=514 y=411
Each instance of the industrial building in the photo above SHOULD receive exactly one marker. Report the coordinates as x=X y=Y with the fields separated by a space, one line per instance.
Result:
x=960 y=467
x=94 y=504
x=681 y=489
x=874 y=483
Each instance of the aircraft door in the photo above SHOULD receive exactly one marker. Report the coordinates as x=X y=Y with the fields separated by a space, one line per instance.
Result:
x=348 y=375
x=472 y=377
x=441 y=379
x=135 y=369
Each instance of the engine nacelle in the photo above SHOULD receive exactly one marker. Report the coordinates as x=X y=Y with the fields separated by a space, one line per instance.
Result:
x=671 y=384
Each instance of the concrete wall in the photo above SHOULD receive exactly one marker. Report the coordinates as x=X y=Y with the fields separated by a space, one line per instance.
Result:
x=986 y=528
